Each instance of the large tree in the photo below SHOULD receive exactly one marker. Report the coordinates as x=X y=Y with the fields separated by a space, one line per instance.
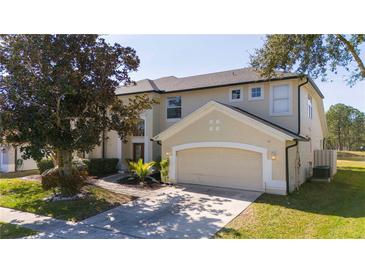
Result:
x=346 y=126
x=313 y=54
x=57 y=94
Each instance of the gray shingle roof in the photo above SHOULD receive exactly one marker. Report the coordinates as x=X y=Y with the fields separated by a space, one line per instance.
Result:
x=172 y=83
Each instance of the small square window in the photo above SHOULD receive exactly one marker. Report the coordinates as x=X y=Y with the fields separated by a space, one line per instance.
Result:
x=256 y=93
x=235 y=95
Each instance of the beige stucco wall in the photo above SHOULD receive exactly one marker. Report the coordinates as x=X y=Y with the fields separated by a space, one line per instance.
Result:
x=127 y=149
x=311 y=128
x=96 y=152
x=192 y=100
x=111 y=147
x=7 y=160
x=28 y=164
x=230 y=130
x=301 y=158
x=152 y=128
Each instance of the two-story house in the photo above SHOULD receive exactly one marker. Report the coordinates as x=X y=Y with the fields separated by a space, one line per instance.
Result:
x=230 y=129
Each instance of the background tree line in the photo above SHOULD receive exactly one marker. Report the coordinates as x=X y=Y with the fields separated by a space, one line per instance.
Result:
x=346 y=126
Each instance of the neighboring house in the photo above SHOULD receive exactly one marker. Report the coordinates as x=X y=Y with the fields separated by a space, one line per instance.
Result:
x=11 y=160
x=228 y=129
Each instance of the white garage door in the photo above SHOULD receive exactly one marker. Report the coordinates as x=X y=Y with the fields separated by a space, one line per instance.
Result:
x=223 y=167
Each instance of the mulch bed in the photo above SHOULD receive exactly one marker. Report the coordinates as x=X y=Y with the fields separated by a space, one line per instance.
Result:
x=134 y=184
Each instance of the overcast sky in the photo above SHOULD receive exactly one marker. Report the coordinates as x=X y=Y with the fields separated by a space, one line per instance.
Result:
x=185 y=55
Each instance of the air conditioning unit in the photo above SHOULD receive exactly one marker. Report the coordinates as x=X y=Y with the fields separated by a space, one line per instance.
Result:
x=326 y=158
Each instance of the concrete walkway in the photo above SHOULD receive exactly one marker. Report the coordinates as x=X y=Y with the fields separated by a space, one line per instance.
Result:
x=187 y=211
x=30 y=220
x=50 y=228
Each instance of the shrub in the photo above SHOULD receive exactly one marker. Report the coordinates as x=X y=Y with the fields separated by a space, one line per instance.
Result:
x=99 y=167
x=164 y=170
x=44 y=165
x=141 y=170
x=82 y=166
x=67 y=186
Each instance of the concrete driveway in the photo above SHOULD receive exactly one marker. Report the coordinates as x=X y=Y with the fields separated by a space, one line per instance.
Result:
x=184 y=212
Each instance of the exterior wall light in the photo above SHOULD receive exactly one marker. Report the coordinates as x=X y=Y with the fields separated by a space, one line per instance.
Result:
x=273 y=155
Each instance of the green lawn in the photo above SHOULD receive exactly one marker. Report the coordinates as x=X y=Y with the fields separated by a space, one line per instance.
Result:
x=28 y=196
x=9 y=231
x=317 y=210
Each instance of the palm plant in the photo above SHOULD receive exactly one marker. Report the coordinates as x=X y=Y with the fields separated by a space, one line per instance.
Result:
x=141 y=171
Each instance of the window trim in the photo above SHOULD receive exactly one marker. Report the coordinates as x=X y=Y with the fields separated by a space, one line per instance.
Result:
x=288 y=113
x=167 y=107
x=310 y=107
x=235 y=100
x=250 y=98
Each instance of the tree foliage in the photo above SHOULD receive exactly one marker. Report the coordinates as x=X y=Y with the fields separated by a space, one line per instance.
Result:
x=57 y=93
x=314 y=55
x=346 y=127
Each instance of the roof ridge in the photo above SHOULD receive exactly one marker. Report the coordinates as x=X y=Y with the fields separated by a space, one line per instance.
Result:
x=203 y=74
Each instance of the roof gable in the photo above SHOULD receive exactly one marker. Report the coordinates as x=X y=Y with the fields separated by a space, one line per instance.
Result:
x=240 y=115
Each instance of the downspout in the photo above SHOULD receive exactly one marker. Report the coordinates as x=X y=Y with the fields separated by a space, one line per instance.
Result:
x=296 y=141
x=299 y=86
x=287 y=165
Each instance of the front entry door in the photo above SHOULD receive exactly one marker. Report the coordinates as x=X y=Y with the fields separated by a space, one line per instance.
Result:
x=138 y=151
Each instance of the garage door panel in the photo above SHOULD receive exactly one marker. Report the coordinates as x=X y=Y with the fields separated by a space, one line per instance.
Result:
x=224 y=167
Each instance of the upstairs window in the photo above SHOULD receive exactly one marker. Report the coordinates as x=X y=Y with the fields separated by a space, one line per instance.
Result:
x=174 y=107
x=139 y=129
x=256 y=93
x=280 y=100
x=235 y=95
x=310 y=107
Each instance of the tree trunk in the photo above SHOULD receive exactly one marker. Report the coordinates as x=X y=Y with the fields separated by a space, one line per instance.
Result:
x=339 y=138
x=355 y=54
x=65 y=163
x=54 y=158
